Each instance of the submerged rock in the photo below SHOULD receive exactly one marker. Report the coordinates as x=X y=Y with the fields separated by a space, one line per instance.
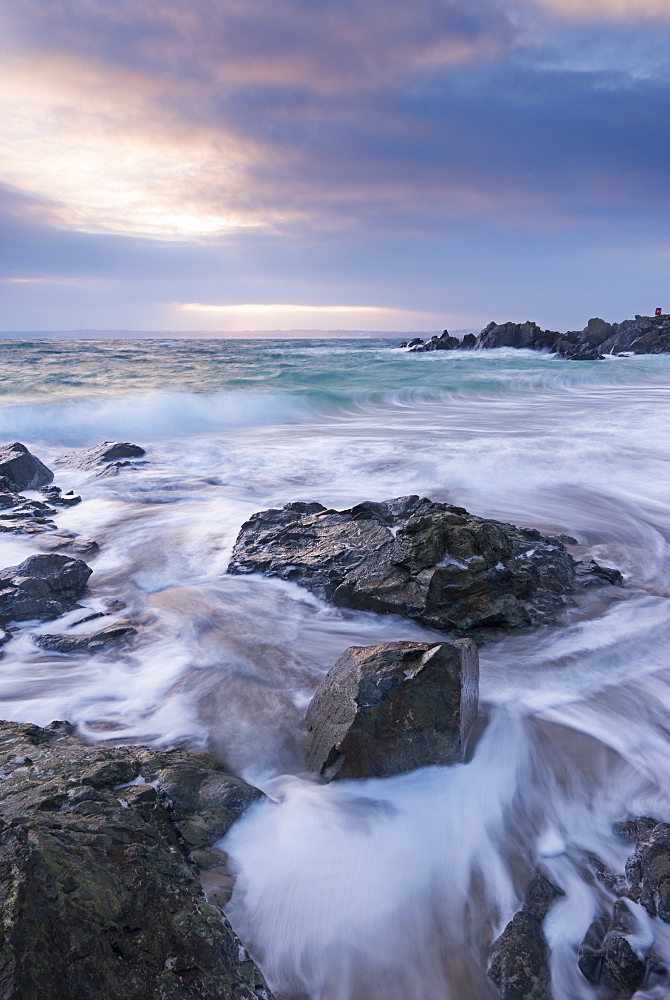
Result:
x=42 y=586
x=101 y=454
x=520 y=957
x=86 y=643
x=21 y=470
x=392 y=708
x=430 y=561
x=97 y=898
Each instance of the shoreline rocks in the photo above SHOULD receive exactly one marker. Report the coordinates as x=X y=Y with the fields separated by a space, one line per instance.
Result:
x=642 y=335
x=99 y=895
x=433 y=562
x=387 y=709
x=42 y=586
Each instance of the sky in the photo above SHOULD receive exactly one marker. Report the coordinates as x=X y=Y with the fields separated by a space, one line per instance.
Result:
x=224 y=165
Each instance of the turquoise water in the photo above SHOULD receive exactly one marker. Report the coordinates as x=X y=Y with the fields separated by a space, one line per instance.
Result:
x=363 y=891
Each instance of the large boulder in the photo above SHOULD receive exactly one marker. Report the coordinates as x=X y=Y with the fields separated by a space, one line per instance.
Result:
x=391 y=708
x=101 y=454
x=97 y=895
x=21 y=470
x=430 y=561
x=520 y=957
x=42 y=586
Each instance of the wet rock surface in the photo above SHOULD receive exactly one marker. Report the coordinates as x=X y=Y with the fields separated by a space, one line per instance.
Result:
x=42 y=587
x=429 y=561
x=108 y=636
x=642 y=335
x=392 y=708
x=97 y=894
x=618 y=953
x=21 y=470
x=520 y=957
x=103 y=454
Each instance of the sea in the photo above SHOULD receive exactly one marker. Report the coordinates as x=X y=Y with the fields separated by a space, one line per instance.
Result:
x=384 y=889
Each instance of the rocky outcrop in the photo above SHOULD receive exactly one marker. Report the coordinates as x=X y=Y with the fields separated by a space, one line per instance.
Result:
x=642 y=335
x=387 y=709
x=444 y=342
x=42 y=587
x=93 y=643
x=429 y=561
x=98 y=897
x=520 y=957
x=101 y=455
x=21 y=470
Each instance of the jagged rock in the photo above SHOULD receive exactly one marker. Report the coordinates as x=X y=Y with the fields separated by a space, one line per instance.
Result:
x=442 y=343
x=22 y=470
x=101 y=454
x=392 y=708
x=85 y=643
x=97 y=898
x=42 y=586
x=429 y=561
x=643 y=335
x=520 y=957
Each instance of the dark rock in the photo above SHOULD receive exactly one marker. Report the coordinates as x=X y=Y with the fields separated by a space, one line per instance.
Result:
x=85 y=643
x=588 y=355
x=595 y=333
x=508 y=335
x=410 y=343
x=606 y=956
x=520 y=957
x=430 y=561
x=204 y=800
x=101 y=454
x=97 y=898
x=392 y=708
x=60 y=499
x=648 y=871
x=21 y=469
x=43 y=586
x=442 y=343
x=468 y=343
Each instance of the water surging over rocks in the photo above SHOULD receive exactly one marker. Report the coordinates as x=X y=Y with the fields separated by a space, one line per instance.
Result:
x=410 y=556
x=642 y=335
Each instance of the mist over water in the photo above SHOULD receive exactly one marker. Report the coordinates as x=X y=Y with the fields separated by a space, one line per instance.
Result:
x=388 y=889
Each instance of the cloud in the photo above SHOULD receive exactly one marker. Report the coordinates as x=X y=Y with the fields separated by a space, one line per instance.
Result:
x=626 y=10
